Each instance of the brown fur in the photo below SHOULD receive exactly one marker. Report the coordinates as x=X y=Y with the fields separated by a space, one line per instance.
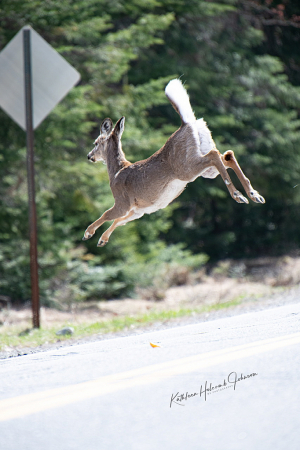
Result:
x=151 y=184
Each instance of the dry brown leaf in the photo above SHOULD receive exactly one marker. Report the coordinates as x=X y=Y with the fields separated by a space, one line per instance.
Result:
x=154 y=345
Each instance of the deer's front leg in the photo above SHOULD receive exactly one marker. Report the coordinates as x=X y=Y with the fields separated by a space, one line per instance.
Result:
x=111 y=214
x=117 y=223
x=230 y=161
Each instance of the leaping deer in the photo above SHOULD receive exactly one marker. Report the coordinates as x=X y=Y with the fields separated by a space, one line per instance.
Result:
x=151 y=184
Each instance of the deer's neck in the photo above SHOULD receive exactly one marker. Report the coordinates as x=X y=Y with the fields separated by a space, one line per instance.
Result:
x=115 y=158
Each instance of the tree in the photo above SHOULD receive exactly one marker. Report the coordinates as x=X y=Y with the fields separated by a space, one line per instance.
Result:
x=126 y=52
x=69 y=191
x=251 y=107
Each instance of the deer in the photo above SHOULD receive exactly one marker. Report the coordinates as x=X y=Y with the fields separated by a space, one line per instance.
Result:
x=146 y=186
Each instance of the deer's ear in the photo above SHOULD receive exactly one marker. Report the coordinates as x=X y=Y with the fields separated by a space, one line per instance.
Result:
x=119 y=128
x=106 y=126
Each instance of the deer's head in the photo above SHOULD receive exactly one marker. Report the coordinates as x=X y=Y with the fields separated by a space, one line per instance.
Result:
x=107 y=134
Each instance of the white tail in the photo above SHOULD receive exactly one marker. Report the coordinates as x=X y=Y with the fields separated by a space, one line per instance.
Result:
x=149 y=185
x=179 y=98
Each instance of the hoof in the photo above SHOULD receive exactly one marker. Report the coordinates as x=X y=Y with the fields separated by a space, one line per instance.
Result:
x=257 y=198
x=101 y=243
x=240 y=198
x=87 y=236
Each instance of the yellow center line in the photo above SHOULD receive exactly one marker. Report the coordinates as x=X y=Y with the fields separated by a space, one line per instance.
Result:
x=12 y=408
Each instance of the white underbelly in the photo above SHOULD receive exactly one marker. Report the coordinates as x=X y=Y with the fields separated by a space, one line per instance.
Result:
x=172 y=191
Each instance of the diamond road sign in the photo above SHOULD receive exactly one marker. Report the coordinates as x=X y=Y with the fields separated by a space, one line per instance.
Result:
x=33 y=79
x=52 y=78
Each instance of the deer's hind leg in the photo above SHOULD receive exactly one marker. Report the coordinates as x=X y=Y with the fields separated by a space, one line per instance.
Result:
x=111 y=214
x=214 y=159
x=229 y=161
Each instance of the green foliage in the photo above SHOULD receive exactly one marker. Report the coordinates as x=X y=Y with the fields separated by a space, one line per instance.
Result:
x=126 y=52
x=84 y=278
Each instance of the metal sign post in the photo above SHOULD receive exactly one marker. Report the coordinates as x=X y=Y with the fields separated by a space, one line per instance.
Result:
x=35 y=303
x=33 y=74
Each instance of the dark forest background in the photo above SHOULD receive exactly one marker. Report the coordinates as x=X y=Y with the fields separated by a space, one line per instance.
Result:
x=240 y=60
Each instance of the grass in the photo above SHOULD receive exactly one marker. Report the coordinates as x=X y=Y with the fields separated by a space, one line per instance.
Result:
x=10 y=337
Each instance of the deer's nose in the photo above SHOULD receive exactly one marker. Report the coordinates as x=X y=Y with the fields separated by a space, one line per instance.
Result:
x=91 y=157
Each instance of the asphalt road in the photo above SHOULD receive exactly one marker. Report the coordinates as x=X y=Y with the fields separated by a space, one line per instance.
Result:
x=227 y=384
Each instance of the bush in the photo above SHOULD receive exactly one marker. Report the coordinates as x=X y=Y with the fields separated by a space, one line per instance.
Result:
x=148 y=276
